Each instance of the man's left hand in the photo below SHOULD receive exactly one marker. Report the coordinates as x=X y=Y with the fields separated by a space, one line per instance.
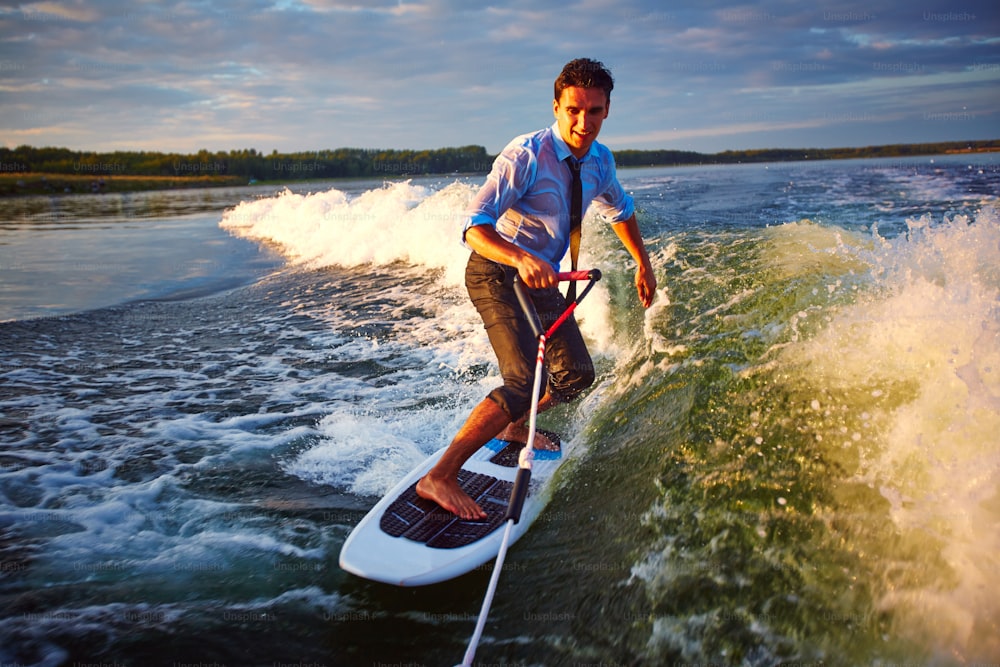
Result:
x=645 y=284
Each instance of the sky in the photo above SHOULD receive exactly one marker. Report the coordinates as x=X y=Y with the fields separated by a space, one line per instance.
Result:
x=301 y=75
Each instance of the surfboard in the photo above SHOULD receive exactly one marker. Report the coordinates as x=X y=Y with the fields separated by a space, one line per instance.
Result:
x=406 y=540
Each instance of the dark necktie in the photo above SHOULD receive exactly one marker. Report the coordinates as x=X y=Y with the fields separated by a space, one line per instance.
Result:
x=575 y=221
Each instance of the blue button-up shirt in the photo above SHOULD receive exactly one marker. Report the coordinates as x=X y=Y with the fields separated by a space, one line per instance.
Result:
x=526 y=197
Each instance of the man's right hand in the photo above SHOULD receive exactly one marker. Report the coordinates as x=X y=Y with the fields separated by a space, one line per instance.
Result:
x=536 y=273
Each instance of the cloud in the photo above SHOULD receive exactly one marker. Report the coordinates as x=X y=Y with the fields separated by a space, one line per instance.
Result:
x=672 y=136
x=48 y=11
x=309 y=74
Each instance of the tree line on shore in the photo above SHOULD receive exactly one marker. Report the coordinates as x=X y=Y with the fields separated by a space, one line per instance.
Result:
x=247 y=163
x=653 y=158
x=355 y=162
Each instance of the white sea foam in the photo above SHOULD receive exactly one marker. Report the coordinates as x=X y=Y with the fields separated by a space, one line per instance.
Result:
x=926 y=344
x=368 y=453
x=400 y=223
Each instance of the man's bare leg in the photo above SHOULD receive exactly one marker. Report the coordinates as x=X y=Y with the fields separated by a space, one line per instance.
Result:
x=518 y=431
x=440 y=484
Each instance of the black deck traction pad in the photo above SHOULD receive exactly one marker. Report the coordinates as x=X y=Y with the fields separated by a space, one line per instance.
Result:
x=423 y=520
x=507 y=457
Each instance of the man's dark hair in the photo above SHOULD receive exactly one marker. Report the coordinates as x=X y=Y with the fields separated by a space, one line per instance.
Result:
x=584 y=73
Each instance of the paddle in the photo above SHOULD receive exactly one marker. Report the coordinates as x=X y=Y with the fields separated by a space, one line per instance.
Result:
x=523 y=478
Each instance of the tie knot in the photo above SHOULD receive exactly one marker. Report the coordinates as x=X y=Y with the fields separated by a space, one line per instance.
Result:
x=573 y=163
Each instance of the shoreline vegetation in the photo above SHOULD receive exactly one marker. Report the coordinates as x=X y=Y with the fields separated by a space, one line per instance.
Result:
x=50 y=171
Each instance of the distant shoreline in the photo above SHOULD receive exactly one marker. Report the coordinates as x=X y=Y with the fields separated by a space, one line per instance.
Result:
x=28 y=171
x=34 y=184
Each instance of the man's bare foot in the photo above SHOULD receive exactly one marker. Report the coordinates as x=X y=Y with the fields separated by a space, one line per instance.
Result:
x=449 y=495
x=519 y=432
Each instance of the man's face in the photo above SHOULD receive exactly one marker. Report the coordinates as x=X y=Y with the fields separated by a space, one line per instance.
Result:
x=580 y=113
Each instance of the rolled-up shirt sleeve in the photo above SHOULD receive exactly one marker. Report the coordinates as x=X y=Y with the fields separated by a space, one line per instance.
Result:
x=614 y=204
x=511 y=175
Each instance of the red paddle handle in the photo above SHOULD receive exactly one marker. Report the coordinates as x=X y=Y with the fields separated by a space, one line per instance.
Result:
x=575 y=275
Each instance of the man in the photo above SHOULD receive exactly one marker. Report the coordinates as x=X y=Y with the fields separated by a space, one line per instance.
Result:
x=519 y=224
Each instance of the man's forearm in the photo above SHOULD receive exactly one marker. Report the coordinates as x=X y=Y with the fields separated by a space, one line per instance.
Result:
x=628 y=233
x=645 y=278
x=535 y=272
x=487 y=242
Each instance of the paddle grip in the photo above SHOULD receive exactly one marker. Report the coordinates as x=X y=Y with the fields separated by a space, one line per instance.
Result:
x=518 y=494
x=592 y=274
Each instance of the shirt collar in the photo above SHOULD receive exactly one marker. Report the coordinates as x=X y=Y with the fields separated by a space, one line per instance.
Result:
x=562 y=149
